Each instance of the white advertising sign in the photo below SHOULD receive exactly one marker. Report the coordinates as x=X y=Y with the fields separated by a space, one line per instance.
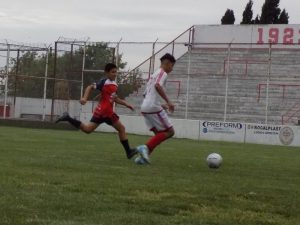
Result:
x=222 y=131
x=278 y=35
x=136 y=125
x=215 y=131
x=272 y=135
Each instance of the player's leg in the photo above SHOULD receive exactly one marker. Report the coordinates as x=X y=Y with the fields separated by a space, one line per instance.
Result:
x=116 y=123
x=87 y=128
x=143 y=150
x=159 y=137
x=66 y=117
x=162 y=127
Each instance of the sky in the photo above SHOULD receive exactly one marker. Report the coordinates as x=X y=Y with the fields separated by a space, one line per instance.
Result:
x=44 y=21
x=133 y=20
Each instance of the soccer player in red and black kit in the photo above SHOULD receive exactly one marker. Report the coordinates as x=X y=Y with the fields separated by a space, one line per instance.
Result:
x=104 y=112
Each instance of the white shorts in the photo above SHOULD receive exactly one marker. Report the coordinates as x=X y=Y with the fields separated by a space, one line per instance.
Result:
x=158 y=121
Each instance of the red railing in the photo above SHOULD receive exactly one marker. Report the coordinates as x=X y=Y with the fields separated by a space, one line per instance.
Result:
x=149 y=63
x=291 y=113
x=172 y=43
x=283 y=86
x=247 y=61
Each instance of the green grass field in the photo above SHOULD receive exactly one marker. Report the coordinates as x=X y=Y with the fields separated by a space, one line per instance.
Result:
x=69 y=178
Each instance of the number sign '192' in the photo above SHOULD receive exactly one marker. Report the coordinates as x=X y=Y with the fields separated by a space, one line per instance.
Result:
x=286 y=36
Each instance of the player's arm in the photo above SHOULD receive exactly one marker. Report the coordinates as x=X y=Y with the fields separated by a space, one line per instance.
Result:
x=124 y=103
x=87 y=93
x=164 y=96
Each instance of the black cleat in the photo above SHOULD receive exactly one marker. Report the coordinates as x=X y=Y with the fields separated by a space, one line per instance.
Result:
x=132 y=153
x=64 y=117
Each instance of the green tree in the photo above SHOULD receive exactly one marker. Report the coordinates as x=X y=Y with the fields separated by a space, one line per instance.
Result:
x=256 y=20
x=228 y=17
x=283 y=18
x=248 y=13
x=270 y=12
x=31 y=70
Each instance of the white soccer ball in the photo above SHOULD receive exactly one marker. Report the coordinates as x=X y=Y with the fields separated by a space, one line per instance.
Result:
x=214 y=160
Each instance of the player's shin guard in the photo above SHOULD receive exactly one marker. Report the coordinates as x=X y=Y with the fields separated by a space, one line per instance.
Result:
x=156 y=140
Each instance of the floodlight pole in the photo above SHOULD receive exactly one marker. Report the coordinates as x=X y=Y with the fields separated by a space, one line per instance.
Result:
x=268 y=82
x=6 y=80
x=227 y=81
x=45 y=85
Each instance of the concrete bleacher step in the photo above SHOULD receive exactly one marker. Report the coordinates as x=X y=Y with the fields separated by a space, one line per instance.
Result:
x=207 y=85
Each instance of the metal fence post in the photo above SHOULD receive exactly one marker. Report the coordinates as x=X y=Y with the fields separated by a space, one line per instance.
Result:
x=45 y=85
x=6 y=80
x=152 y=62
x=54 y=80
x=16 y=76
x=173 y=47
x=188 y=81
x=83 y=68
x=268 y=82
x=117 y=57
x=227 y=81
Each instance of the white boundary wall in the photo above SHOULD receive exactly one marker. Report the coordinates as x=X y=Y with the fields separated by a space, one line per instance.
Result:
x=215 y=131
x=288 y=35
x=34 y=106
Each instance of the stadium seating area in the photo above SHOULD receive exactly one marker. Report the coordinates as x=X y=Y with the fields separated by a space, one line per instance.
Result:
x=247 y=84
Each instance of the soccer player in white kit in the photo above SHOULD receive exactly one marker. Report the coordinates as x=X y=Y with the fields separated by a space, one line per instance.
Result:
x=154 y=112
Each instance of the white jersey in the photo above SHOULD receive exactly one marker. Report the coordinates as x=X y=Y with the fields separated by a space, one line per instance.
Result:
x=152 y=100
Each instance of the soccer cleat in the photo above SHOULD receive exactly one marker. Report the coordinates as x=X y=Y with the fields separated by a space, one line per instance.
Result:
x=64 y=117
x=144 y=153
x=140 y=161
x=132 y=153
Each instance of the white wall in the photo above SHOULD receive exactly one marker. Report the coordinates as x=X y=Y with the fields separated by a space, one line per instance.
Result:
x=252 y=34
x=136 y=125
x=34 y=106
x=215 y=131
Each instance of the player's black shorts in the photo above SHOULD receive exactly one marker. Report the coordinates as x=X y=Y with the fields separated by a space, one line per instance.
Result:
x=108 y=120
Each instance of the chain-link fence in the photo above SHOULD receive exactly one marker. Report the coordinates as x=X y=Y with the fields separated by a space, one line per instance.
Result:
x=21 y=76
x=229 y=81
x=225 y=82
x=42 y=82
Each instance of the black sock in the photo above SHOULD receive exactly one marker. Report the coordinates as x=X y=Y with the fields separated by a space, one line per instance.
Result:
x=125 y=144
x=74 y=122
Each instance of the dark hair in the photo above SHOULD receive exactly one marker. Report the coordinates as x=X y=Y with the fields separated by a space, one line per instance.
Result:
x=168 y=57
x=109 y=67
